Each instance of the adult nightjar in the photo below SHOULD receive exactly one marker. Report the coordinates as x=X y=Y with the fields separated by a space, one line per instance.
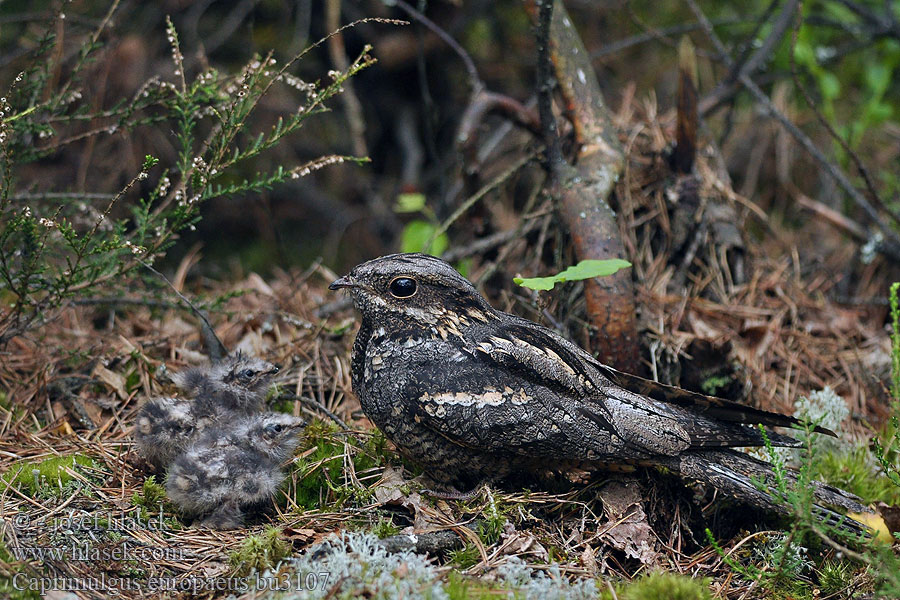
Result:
x=474 y=394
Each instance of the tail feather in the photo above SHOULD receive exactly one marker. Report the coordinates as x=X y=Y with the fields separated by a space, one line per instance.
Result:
x=734 y=472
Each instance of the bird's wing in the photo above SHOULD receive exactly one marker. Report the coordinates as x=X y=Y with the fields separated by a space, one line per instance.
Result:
x=461 y=394
x=711 y=406
x=655 y=422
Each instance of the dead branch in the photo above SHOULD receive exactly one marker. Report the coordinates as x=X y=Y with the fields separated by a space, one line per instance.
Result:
x=581 y=191
x=339 y=59
x=687 y=124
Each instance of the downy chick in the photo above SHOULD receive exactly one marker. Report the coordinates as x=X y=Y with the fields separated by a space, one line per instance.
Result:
x=231 y=467
x=239 y=382
x=165 y=426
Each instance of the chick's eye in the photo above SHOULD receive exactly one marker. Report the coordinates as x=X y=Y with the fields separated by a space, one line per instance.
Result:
x=273 y=429
x=246 y=374
x=402 y=287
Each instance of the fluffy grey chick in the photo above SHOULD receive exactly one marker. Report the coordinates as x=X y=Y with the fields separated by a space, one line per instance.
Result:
x=238 y=382
x=231 y=467
x=165 y=426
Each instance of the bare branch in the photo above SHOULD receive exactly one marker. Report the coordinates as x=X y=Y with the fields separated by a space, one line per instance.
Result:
x=545 y=85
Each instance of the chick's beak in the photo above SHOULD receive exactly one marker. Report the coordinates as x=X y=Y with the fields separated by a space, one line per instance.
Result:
x=342 y=282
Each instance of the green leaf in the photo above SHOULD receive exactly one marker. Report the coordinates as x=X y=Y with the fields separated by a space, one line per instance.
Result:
x=585 y=269
x=878 y=77
x=415 y=238
x=409 y=203
x=829 y=85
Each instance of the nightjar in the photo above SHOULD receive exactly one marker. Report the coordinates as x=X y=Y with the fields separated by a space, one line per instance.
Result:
x=164 y=426
x=238 y=382
x=474 y=394
x=233 y=467
x=233 y=387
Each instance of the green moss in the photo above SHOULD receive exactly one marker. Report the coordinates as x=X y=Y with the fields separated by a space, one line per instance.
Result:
x=465 y=557
x=663 y=586
x=320 y=468
x=320 y=481
x=152 y=494
x=48 y=477
x=854 y=471
x=8 y=569
x=259 y=552
x=280 y=402
x=385 y=528
x=712 y=385
x=459 y=587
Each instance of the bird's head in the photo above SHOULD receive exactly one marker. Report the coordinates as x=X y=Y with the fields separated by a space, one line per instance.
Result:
x=276 y=434
x=243 y=373
x=413 y=287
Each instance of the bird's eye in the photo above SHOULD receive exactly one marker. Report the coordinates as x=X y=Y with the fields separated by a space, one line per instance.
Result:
x=274 y=429
x=402 y=287
x=246 y=374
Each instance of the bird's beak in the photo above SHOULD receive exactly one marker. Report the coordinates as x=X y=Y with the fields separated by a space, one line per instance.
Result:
x=342 y=282
x=273 y=370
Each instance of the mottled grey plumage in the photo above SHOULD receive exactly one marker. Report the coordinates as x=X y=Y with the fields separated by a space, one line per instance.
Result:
x=476 y=394
x=231 y=467
x=238 y=382
x=164 y=427
x=232 y=387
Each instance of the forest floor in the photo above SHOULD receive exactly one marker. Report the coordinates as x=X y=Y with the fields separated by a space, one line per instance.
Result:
x=73 y=387
x=78 y=383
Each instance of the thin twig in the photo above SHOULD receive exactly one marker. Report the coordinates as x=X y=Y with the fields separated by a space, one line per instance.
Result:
x=654 y=34
x=315 y=405
x=484 y=244
x=474 y=79
x=737 y=70
x=471 y=200
x=216 y=348
x=545 y=85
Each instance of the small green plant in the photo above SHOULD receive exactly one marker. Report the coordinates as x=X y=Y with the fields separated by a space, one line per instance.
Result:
x=585 y=269
x=151 y=499
x=711 y=385
x=835 y=577
x=320 y=473
x=491 y=526
x=419 y=235
x=259 y=552
x=385 y=528
x=662 y=586
x=465 y=557
x=47 y=478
